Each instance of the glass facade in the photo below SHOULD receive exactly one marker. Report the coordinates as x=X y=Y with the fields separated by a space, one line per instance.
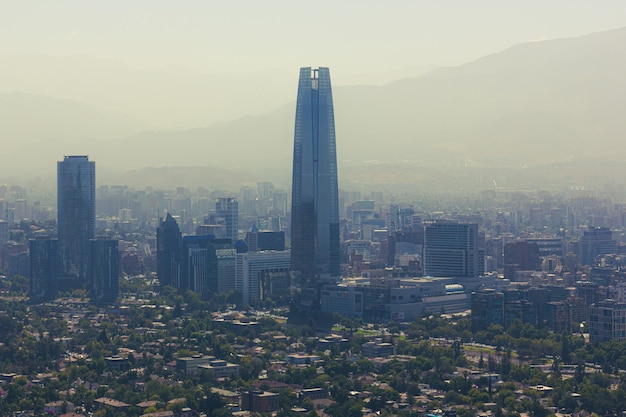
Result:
x=169 y=253
x=314 y=206
x=76 y=200
x=44 y=269
x=227 y=212
x=104 y=270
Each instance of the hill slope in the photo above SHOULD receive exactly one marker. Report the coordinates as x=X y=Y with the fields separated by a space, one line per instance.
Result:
x=531 y=105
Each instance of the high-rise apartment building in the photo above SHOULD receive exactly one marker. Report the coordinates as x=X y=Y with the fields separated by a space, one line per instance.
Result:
x=452 y=250
x=76 y=200
x=315 y=201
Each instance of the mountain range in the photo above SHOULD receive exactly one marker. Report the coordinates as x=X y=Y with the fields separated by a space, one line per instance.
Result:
x=545 y=106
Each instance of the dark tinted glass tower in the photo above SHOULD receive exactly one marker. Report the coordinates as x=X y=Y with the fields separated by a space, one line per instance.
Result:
x=227 y=212
x=209 y=264
x=315 y=202
x=44 y=269
x=104 y=271
x=169 y=253
x=76 y=200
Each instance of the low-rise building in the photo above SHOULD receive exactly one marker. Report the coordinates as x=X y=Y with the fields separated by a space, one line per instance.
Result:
x=259 y=401
x=302 y=359
x=376 y=349
x=117 y=363
x=59 y=407
x=313 y=393
x=116 y=405
x=188 y=366
x=221 y=369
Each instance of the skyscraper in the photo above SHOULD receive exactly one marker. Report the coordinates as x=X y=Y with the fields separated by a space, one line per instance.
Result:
x=104 y=269
x=315 y=200
x=169 y=253
x=44 y=269
x=227 y=213
x=76 y=200
x=209 y=264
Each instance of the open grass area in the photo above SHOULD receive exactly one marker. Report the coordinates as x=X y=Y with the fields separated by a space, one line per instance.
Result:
x=363 y=332
x=479 y=349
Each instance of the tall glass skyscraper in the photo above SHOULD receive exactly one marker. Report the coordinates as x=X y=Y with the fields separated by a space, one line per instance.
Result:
x=76 y=203
x=315 y=201
x=169 y=253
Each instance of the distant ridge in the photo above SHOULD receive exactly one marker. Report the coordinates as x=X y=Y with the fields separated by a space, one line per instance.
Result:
x=534 y=104
x=172 y=177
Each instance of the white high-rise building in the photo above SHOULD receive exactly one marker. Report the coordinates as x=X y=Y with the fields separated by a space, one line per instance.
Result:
x=262 y=274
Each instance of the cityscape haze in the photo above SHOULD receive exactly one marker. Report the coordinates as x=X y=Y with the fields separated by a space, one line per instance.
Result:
x=441 y=233
x=471 y=93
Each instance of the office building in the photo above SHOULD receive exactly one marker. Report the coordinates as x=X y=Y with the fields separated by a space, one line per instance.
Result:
x=522 y=255
x=548 y=246
x=169 y=252
x=76 y=199
x=4 y=238
x=188 y=366
x=315 y=254
x=487 y=309
x=104 y=271
x=596 y=241
x=209 y=264
x=263 y=274
x=400 y=299
x=558 y=317
x=227 y=213
x=44 y=269
x=261 y=240
x=452 y=250
x=607 y=321
x=523 y=310
x=217 y=230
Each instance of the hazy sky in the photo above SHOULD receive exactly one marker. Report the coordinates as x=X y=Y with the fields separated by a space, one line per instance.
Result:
x=351 y=36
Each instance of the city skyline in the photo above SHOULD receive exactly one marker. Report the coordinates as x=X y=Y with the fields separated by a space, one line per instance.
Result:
x=470 y=262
